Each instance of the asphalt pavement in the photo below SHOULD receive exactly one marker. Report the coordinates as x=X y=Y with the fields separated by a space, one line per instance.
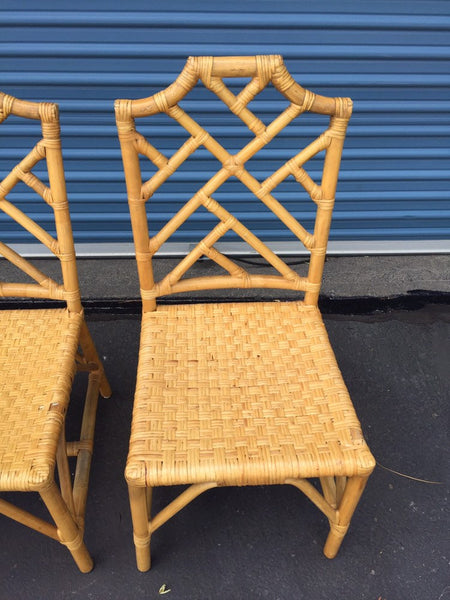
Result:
x=266 y=542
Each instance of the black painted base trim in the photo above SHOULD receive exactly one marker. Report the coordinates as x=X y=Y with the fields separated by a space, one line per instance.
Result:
x=360 y=305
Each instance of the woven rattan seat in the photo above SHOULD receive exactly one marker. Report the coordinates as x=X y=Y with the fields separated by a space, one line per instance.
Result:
x=238 y=393
x=40 y=352
x=247 y=393
x=36 y=367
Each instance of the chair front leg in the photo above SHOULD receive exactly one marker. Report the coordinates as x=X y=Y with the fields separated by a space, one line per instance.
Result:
x=139 y=504
x=350 y=498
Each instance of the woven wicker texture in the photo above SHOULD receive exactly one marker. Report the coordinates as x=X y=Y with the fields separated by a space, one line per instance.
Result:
x=238 y=394
x=243 y=394
x=36 y=370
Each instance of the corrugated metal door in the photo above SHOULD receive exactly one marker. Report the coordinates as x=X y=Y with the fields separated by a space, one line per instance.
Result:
x=392 y=58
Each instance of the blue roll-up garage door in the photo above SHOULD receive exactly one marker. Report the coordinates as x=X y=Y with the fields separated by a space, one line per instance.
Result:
x=392 y=58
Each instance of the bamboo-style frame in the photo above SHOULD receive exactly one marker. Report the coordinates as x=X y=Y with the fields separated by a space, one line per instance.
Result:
x=66 y=502
x=340 y=494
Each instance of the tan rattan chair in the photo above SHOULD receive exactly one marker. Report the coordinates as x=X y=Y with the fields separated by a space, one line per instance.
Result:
x=238 y=393
x=40 y=351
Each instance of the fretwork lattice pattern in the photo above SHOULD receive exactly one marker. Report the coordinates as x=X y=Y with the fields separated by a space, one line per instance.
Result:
x=48 y=148
x=268 y=69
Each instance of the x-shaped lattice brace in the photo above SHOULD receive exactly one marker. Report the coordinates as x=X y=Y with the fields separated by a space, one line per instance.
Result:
x=45 y=287
x=268 y=69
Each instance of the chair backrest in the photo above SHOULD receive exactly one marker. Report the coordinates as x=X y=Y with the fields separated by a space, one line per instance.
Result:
x=261 y=70
x=54 y=194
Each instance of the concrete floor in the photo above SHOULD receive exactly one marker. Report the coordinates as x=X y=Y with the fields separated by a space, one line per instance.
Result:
x=266 y=542
x=344 y=276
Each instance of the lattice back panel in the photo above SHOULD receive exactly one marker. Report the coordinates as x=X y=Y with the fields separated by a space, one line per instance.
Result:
x=47 y=149
x=262 y=70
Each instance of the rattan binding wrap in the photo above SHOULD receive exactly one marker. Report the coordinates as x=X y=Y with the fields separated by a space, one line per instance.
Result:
x=238 y=393
x=40 y=352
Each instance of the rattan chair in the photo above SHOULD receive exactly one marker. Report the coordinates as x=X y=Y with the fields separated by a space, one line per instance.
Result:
x=238 y=393
x=40 y=351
